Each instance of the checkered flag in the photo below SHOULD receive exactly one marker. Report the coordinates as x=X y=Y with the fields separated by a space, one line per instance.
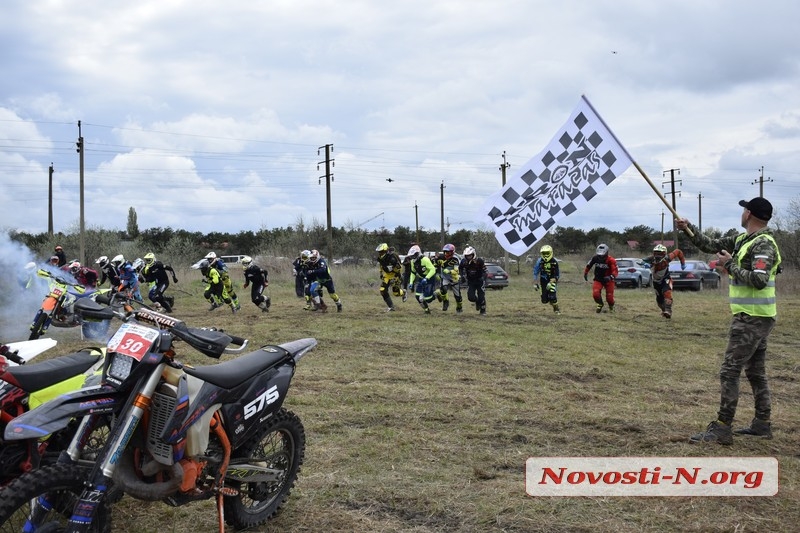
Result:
x=581 y=159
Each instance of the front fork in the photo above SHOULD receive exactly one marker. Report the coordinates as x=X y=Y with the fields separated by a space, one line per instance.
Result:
x=101 y=475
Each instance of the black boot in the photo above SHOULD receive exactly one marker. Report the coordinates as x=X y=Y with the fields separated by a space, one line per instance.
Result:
x=758 y=428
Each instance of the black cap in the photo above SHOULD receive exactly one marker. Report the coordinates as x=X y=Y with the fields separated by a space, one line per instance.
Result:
x=760 y=207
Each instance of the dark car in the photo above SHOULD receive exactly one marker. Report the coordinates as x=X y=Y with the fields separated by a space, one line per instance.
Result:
x=633 y=272
x=496 y=279
x=697 y=276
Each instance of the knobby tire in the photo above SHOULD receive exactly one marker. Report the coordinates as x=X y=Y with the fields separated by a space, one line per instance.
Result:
x=63 y=483
x=280 y=444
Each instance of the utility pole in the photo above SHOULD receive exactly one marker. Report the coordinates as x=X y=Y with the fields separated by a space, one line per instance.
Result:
x=442 y=188
x=416 y=219
x=50 y=201
x=760 y=182
x=328 y=179
x=700 y=213
x=671 y=181
x=503 y=168
x=82 y=224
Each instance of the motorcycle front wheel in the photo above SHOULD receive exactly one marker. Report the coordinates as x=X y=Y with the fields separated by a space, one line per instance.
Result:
x=61 y=485
x=37 y=329
x=279 y=445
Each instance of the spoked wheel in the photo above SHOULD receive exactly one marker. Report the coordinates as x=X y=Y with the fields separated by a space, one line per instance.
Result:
x=42 y=501
x=37 y=327
x=279 y=446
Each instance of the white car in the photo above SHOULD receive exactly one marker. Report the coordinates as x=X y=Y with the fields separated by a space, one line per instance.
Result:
x=633 y=272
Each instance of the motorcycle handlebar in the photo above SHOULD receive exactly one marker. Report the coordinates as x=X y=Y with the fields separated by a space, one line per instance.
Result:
x=12 y=356
x=237 y=341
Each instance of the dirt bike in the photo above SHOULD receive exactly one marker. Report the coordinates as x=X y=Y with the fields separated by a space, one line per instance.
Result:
x=26 y=385
x=57 y=305
x=181 y=434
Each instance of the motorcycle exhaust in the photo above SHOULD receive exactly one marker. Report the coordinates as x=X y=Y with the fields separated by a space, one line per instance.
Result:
x=126 y=479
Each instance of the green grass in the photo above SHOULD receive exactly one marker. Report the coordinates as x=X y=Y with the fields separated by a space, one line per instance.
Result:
x=423 y=423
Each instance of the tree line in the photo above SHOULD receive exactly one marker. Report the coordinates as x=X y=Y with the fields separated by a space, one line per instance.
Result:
x=186 y=247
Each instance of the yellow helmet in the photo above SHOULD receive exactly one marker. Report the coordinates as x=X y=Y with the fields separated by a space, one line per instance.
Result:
x=546 y=252
x=149 y=257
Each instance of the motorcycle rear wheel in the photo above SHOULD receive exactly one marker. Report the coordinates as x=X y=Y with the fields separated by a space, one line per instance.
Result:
x=280 y=444
x=37 y=329
x=62 y=484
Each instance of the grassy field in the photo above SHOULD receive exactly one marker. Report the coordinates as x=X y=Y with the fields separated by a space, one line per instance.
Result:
x=422 y=423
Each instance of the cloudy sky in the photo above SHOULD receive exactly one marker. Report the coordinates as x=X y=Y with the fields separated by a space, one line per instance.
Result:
x=209 y=116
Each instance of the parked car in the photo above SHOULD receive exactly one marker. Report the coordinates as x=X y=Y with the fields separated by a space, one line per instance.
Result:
x=633 y=272
x=496 y=278
x=697 y=276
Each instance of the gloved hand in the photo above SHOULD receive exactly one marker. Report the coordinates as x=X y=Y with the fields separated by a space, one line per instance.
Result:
x=536 y=287
x=551 y=287
x=683 y=266
x=423 y=282
x=174 y=279
x=586 y=277
x=410 y=286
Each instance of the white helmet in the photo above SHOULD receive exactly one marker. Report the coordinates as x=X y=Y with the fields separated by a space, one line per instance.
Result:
x=102 y=260
x=469 y=251
x=313 y=256
x=30 y=266
x=118 y=260
x=247 y=261
x=211 y=256
x=602 y=250
x=414 y=251
x=304 y=255
x=138 y=263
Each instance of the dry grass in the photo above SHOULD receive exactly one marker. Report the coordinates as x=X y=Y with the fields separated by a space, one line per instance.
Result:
x=423 y=423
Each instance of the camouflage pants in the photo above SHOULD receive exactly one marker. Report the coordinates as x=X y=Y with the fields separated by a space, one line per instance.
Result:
x=747 y=349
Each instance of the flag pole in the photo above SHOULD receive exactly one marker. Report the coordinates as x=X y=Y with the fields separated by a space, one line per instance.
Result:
x=641 y=171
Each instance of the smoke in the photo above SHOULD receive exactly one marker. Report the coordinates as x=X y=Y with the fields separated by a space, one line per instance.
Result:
x=18 y=305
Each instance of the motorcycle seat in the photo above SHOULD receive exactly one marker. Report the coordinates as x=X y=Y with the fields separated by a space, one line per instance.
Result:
x=37 y=376
x=236 y=371
x=88 y=308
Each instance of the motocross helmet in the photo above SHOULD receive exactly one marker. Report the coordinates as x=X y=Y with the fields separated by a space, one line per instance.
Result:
x=602 y=250
x=59 y=249
x=74 y=267
x=118 y=260
x=414 y=252
x=659 y=251
x=137 y=264
x=546 y=252
x=247 y=261
x=313 y=256
x=53 y=260
x=304 y=255
x=149 y=258
x=211 y=256
x=102 y=261
x=203 y=265
x=469 y=253
x=30 y=266
x=382 y=248
x=448 y=250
